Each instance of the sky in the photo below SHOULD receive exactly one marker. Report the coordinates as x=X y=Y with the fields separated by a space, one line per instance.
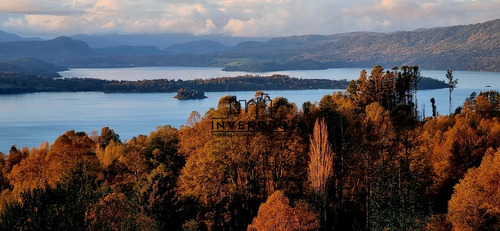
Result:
x=253 y=18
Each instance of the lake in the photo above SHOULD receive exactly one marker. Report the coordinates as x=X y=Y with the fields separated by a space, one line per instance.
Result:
x=29 y=119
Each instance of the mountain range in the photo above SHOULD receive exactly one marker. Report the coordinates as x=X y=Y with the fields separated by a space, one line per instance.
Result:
x=474 y=47
x=158 y=40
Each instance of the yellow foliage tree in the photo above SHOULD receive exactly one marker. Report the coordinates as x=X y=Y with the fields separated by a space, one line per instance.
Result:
x=320 y=165
x=134 y=159
x=112 y=152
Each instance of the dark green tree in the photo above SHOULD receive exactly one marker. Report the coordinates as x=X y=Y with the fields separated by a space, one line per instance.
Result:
x=396 y=203
x=161 y=150
x=107 y=135
x=452 y=83
x=433 y=102
x=161 y=203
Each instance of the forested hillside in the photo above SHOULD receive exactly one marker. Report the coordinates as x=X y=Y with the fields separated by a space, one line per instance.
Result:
x=30 y=66
x=356 y=160
x=468 y=47
x=472 y=47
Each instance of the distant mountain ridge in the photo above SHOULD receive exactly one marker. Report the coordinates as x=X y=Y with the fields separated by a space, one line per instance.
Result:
x=53 y=51
x=158 y=40
x=474 y=47
x=197 y=47
x=129 y=50
x=9 y=37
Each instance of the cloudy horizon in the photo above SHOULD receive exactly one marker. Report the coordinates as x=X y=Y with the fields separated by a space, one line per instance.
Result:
x=249 y=18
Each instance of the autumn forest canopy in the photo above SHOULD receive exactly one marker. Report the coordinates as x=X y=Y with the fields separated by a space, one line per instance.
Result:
x=361 y=159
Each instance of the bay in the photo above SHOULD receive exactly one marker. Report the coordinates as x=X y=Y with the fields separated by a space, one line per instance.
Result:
x=29 y=119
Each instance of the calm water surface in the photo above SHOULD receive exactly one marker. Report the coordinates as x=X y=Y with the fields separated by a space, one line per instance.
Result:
x=29 y=119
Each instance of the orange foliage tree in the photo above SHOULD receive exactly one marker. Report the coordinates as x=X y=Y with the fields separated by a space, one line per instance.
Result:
x=475 y=205
x=69 y=149
x=31 y=172
x=277 y=215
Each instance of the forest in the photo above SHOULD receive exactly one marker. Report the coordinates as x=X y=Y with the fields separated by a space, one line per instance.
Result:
x=361 y=159
x=15 y=83
x=11 y=83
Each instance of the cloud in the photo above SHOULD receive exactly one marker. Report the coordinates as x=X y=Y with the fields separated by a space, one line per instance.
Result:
x=43 y=7
x=274 y=21
x=409 y=14
x=238 y=17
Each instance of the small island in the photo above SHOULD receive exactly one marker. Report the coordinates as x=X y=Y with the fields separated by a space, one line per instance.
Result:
x=184 y=94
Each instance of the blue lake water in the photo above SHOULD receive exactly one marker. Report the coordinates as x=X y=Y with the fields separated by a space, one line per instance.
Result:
x=29 y=119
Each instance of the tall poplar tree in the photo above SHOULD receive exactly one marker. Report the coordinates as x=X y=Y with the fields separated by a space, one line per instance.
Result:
x=320 y=166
